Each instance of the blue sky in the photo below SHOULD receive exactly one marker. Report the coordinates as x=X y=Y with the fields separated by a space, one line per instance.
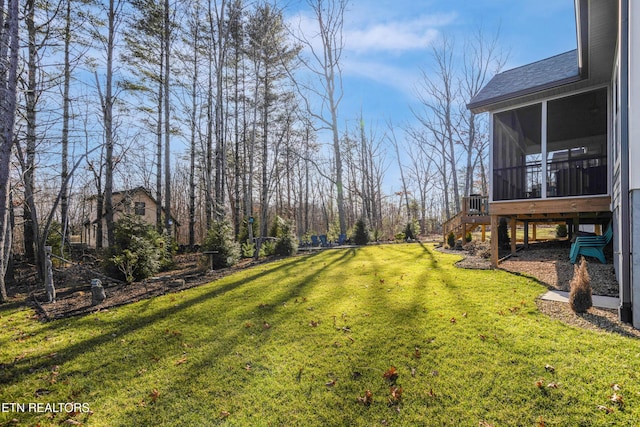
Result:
x=389 y=42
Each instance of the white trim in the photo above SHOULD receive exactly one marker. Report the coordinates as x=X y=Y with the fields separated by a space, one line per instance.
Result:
x=490 y=177
x=552 y=98
x=543 y=149
x=634 y=95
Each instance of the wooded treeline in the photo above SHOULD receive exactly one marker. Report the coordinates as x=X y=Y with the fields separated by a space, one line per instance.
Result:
x=224 y=112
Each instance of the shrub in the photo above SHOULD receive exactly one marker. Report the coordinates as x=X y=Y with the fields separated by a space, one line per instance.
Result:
x=267 y=248
x=220 y=239
x=451 y=240
x=561 y=230
x=412 y=230
x=400 y=237
x=503 y=234
x=138 y=252
x=361 y=233
x=580 y=298
x=287 y=243
x=468 y=237
x=248 y=249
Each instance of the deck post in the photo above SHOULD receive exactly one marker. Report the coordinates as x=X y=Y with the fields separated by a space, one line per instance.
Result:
x=494 y=241
x=534 y=232
x=526 y=234
x=513 y=235
x=484 y=232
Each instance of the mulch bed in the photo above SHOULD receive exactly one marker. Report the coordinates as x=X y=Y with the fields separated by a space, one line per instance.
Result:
x=73 y=287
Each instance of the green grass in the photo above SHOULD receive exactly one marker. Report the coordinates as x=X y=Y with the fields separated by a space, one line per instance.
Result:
x=244 y=351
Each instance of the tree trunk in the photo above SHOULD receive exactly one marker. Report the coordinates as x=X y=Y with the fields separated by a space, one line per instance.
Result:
x=167 y=128
x=64 y=201
x=30 y=140
x=9 y=49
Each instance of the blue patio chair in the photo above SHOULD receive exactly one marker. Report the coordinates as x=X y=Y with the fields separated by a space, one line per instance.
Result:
x=591 y=246
x=323 y=241
x=314 y=241
x=342 y=239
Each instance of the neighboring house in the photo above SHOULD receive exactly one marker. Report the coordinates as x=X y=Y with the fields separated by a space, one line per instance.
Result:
x=136 y=201
x=565 y=131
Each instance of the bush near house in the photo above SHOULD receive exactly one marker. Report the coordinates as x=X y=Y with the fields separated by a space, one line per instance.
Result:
x=451 y=240
x=561 y=230
x=580 y=298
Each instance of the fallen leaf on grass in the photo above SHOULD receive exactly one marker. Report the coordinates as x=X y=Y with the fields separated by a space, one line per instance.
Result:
x=72 y=422
x=430 y=393
x=541 y=422
x=417 y=353
x=367 y=399
x=540 y=383
x=42 y=392
x=605 y=409
x=224 y=414
x=617 y=399
x=549 y=368
x=265 y=325
x=247 y=367
x=391 y=374
x=314 y=323
x=616 y=387
x=181 y=361
x=154 y=394
x=331 y=383
x=483 y=423
x=552 y=385
x=453 y=320
x=396 y=394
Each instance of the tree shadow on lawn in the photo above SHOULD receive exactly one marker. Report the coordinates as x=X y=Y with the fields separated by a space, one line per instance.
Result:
x=135 y=321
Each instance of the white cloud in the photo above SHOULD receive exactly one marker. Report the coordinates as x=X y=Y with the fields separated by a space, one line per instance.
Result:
x=394 y=36
x=400 y=77
x=397 y=36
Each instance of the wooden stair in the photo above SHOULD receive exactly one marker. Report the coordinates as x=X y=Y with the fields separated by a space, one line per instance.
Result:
x=475 y=213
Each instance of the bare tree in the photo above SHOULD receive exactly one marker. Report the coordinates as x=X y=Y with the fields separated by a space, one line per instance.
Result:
x=325 y=64
x=481 y=59
x=439 y=97
x=9 y=46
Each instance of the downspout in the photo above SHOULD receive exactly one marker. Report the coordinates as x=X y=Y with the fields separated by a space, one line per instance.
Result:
x=625 y=309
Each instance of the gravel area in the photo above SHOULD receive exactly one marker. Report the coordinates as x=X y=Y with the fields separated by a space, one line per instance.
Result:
x=548 y=262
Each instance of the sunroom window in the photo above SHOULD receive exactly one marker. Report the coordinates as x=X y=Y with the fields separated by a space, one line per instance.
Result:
x=562 y=156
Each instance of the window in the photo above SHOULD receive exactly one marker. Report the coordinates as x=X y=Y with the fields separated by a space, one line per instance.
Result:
x=139 y=208
x=557 y=148
x=517 y=153
x=577 y=145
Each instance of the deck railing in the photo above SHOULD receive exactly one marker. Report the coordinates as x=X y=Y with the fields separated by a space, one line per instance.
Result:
x=475 y=205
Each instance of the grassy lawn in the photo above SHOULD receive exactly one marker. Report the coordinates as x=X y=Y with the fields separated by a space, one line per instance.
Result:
x=301 y=341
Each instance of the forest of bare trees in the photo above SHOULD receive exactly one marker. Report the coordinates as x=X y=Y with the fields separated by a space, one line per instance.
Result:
x=223 y=110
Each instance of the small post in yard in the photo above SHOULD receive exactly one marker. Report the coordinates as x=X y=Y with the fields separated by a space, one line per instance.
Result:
x=97 y=292
x=48 y=275
x=250 y=229
x=210 y=254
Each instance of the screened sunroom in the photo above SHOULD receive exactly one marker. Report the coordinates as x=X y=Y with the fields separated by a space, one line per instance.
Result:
x=551 y=149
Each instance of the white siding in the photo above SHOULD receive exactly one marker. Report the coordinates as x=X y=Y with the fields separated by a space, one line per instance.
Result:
x=634 y=94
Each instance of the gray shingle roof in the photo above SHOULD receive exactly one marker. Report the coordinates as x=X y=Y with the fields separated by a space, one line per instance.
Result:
x=530 y=78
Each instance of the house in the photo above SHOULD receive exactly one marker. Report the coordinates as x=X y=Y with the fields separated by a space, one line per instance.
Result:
x=564 y=136
x=136 y=201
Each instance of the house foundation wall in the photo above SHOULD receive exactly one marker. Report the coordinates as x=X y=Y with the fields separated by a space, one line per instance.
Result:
x=635 y=257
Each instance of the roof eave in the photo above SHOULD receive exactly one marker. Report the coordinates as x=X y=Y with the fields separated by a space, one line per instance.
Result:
x=484 y=105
